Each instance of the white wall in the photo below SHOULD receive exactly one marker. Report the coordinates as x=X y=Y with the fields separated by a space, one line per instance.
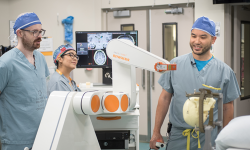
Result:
x=87 y=17
x=4 y=26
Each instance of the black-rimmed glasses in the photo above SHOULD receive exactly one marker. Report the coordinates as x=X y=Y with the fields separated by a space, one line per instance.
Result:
x=72 y=55
x=36 y=33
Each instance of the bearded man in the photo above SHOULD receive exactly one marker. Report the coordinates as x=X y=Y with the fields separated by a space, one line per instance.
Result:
x=194 y=70
x=23 y=93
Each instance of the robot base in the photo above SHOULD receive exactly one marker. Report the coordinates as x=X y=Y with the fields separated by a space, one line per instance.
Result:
x=62 y=129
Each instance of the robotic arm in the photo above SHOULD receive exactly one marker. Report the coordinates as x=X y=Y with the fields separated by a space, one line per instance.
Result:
x=125 y=52
x=66 y=123
x=125 y=58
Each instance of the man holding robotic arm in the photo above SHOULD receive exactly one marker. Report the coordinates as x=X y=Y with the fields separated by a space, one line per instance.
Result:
x=199 y=69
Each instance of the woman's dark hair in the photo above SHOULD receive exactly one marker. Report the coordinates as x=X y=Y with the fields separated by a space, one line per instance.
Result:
x=57 y=64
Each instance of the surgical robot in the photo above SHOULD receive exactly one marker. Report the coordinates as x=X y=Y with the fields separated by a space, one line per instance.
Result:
x=66 y=123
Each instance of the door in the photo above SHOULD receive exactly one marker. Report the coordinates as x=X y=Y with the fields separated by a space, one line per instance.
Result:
x=154 y=20
x=241 y=58
x=175 y=29
x=114 y=24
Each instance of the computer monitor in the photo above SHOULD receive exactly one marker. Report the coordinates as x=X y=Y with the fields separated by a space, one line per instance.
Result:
x=91 y=46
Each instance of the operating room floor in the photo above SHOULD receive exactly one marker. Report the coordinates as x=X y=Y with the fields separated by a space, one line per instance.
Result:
x=144 y=146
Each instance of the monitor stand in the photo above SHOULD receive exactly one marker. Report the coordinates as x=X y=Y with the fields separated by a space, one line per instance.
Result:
x=107 y=76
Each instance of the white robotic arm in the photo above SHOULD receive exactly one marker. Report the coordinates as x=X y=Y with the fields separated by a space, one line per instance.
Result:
x=125 y=57
x=125 y=52
x=66 y=123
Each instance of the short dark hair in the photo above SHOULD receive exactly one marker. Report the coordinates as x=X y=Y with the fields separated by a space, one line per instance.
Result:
x=57 y=64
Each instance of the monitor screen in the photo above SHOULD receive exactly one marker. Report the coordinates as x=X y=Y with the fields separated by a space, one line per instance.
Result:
x=91 y=46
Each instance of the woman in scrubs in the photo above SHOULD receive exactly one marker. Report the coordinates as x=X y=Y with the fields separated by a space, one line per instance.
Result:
x=65 y=59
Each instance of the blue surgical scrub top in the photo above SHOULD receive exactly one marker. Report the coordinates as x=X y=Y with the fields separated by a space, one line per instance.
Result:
x=23 y=96
x=187 y=78
x=58 y=82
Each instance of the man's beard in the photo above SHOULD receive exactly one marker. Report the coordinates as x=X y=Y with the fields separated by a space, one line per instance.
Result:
x=30 y=45
x=204 y=50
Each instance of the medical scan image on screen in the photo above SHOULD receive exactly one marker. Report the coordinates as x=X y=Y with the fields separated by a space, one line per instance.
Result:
x=91 y=46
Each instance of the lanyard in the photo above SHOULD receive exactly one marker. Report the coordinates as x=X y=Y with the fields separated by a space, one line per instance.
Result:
x=58 y=71
x=187 y=133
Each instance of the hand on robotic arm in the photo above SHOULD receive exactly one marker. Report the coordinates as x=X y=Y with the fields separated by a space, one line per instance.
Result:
x=155 y=138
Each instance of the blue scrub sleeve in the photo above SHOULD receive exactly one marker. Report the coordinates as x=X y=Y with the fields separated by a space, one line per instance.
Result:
x=4 y=76
x=58 y=86
x=231 y=90
x=165 y=82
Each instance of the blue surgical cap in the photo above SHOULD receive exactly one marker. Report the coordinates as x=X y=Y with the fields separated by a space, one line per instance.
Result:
x=204 y=24
x=61 y=50
x=26 y=20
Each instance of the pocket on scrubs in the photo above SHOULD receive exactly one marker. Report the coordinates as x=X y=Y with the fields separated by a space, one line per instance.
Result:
x=177 y=141
x=24 y=91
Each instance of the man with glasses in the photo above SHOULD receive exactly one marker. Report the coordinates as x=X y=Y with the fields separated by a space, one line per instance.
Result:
x=65 y=59
x=23 y=97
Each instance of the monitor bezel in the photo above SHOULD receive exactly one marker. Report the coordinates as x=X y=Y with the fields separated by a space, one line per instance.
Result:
x=101 y=66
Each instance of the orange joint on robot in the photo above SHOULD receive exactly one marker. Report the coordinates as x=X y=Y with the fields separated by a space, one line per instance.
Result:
x=160 y=67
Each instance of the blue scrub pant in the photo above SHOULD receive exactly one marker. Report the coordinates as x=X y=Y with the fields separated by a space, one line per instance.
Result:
x=179 y=142
x=15 y=146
